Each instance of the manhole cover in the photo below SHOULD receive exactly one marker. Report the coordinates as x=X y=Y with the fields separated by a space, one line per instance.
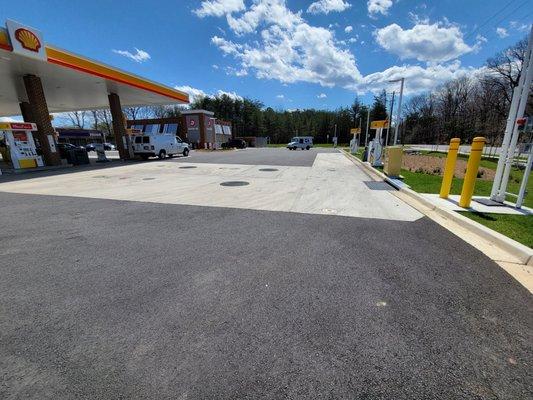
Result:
x=187 y=167
x=268 y=169
x=235 y=183
x=148 y=179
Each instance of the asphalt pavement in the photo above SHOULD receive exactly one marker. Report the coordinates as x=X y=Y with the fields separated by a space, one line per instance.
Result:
x=107 y=299
x=259 y=156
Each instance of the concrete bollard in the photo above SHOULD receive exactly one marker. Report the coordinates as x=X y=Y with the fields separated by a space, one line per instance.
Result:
x=471 y=171
x=449 y=168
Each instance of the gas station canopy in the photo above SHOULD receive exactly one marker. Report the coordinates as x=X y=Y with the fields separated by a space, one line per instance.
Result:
x=70 y=82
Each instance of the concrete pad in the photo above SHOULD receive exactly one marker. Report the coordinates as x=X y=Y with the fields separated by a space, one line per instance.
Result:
x=452 y=204
x=333 y=185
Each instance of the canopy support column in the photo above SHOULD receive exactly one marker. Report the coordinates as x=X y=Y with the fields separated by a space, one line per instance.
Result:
x=37 y=110
x=119 y=126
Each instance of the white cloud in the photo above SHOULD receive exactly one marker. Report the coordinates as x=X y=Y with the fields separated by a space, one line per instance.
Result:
x=424 y=42
x=321 y=96
x=280 y=96
x=289 y=49
x=214 y=66
x=520 y=27
x=193 y=93
x=348 y=29
x=327 y=6
x=502 y=32
x=232 y=95
x=481 y=39
x=139 y=55
x=236 y=72
x=218 y=8
x=266 y=12
x=417 y=79
x=286 y=48
x=378 y=7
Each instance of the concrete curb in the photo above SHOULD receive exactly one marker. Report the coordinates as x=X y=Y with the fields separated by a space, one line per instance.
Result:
x=521 y=252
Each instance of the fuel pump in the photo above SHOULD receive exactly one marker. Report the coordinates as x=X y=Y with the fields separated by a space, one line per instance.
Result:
x=18 y=145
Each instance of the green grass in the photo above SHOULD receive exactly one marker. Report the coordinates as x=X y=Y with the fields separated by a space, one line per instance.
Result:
x=517 y=227
x=359 y=153
x=426 y=183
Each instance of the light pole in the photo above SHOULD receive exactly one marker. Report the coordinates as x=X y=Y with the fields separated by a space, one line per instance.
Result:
x=367 y=125
x=399 y=113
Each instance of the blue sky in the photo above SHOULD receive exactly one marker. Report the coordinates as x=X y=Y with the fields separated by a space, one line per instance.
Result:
x=287 y=54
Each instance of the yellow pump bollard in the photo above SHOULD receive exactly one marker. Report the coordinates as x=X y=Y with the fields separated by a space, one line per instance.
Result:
x=449 y=168
x=471 y=171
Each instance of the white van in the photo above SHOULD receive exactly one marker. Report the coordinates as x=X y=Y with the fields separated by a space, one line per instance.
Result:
x=160 y=145
x=300 y=142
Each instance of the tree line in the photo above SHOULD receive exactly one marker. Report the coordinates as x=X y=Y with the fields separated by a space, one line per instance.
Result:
x=468 y=106
x=465 y=107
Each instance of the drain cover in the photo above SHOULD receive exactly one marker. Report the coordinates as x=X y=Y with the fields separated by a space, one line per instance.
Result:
x=187 y=167
x=148 y=179
x=268 y=169
x=235 y=183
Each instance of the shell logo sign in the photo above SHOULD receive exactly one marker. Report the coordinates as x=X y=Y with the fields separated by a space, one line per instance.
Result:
x=28 y=39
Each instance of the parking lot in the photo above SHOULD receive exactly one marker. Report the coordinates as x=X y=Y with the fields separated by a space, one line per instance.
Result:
x=166 y=279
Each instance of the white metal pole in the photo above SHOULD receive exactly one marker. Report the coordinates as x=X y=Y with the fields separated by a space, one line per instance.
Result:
x=523 y=186
x=367 y=125
x=498 y=188
x=359 y=136
x=528 y=72
x=389 y=117
x=399 y=113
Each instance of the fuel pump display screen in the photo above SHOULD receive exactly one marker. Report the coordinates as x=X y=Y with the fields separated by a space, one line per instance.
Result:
x=20 y=136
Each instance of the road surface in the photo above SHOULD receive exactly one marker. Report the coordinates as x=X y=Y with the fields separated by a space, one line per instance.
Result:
x=151 y=280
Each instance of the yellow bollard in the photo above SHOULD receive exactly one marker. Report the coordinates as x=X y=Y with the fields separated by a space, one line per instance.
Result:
x=449 y=168
x=471 y=171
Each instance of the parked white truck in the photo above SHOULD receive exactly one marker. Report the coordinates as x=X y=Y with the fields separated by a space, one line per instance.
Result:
x=159 y=145
x=300 y=142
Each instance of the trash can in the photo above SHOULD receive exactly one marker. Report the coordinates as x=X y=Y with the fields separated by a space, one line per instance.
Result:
x=80 y=157
x=393 y=160
x=365 y=154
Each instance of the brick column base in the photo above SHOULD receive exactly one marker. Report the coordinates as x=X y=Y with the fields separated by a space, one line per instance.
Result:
x=119 y=126
x=37 y=110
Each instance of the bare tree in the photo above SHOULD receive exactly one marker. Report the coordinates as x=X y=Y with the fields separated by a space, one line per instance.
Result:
x=138 y=112
x=77 y=118
x=505 y=68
